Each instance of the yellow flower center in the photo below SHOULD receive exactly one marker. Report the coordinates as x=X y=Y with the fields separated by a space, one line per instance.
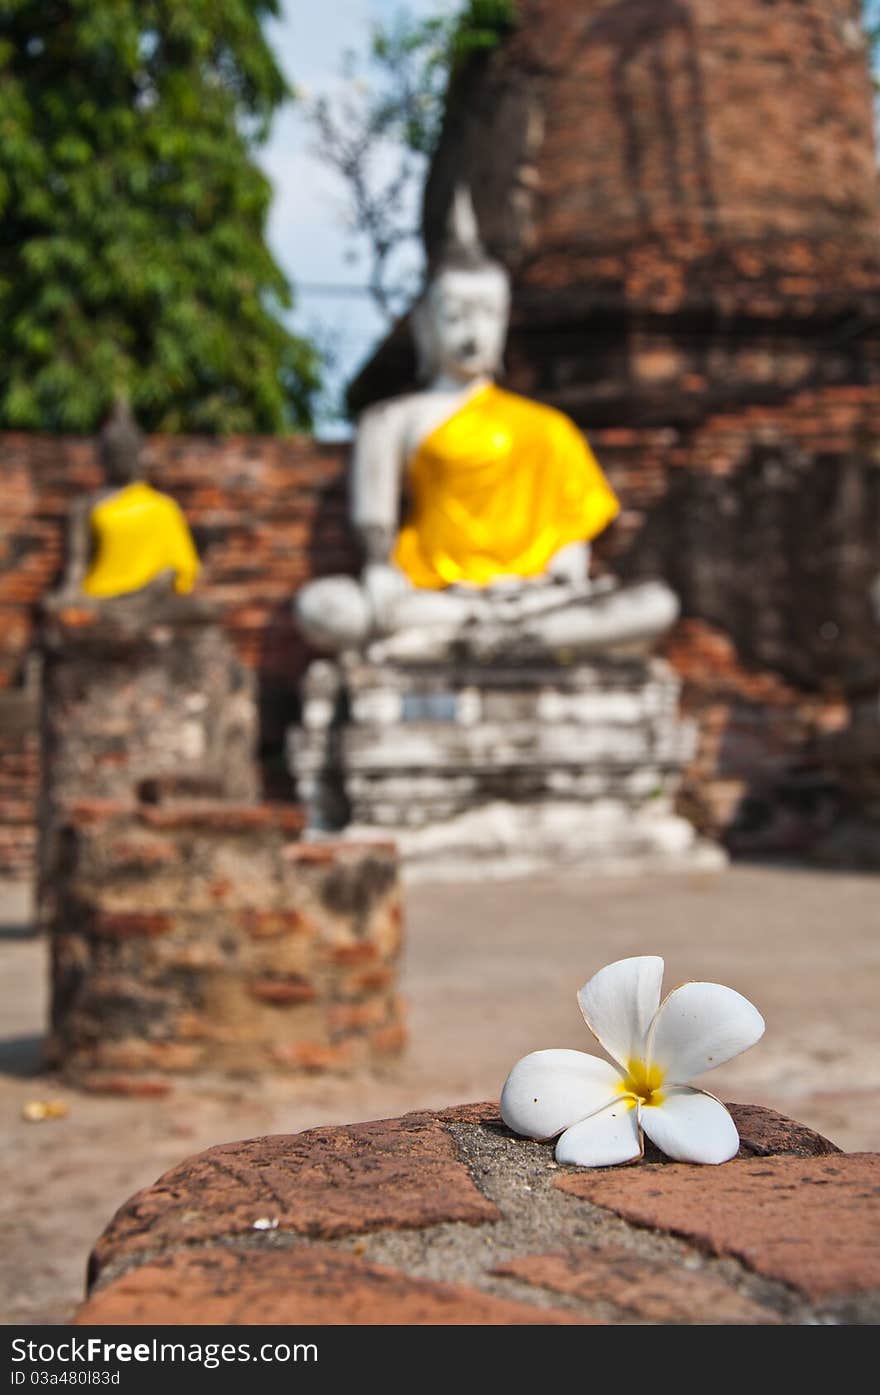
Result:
x=643 y=1081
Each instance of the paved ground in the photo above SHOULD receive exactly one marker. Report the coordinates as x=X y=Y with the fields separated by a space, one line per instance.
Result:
x=491 y=972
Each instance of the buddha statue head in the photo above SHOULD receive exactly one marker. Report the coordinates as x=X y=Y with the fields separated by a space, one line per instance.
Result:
x=120 y=445
x=460 y=321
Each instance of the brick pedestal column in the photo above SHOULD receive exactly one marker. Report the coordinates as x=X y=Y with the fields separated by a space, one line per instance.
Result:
x=203 y=937
x=138 y=689
x=190 y=928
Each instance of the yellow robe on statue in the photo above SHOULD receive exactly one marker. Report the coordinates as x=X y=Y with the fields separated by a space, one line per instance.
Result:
x=496 y=491
x=138 y=533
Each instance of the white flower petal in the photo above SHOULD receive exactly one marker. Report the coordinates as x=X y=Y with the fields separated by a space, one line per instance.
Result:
x=611 y=1135
x=619 y=1003
x=691 y=1126
x=699 y=1026
x=548 y=1090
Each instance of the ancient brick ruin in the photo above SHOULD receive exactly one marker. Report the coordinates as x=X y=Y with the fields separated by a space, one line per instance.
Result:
x=198 y=936
x=190 y=928
x=686 y=195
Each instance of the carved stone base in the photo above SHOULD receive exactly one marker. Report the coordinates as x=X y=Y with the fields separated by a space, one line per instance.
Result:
x=500 y=769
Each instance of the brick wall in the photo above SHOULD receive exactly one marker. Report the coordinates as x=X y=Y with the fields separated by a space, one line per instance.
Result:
x=704 y=122
x=766 y=523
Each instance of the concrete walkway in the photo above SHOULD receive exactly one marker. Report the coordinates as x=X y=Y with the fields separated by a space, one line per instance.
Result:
x=491 y=972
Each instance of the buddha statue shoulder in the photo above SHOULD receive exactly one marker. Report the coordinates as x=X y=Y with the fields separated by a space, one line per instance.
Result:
x=475 y=506
x=127 y=536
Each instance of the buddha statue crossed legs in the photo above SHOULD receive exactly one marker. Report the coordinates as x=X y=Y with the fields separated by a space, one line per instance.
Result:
x=475 y=506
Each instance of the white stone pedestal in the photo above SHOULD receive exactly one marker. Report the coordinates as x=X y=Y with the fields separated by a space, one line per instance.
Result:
x=503 y=768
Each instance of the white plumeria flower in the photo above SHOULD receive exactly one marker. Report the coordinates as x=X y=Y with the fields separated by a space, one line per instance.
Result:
x=600 y=1109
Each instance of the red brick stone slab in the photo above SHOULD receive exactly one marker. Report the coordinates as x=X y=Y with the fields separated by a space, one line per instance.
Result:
x=813 y=1223
x=765 y=1131
x=325 y=1182
x=642 y=1288
x=308 y=1284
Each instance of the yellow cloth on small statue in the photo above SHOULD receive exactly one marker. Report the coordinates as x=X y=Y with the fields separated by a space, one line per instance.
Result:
x=138 y=533
x=497 y=490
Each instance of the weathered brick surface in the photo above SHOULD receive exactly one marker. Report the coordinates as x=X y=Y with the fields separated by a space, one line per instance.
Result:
x=645 y=1289
x=813 y=1223
x=19 y=769
x=323 y=1183
x=189 y=932
x=314 y=1285
x=448 y=1218
x=765 y=1132
x=764 y=521
x=186 y=938
x=147 y=697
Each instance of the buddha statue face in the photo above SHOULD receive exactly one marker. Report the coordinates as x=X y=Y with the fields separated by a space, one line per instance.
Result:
x=461 y=323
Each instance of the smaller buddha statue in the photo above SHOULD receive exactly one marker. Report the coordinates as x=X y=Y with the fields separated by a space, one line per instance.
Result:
x=128 y=536
x=475 y=506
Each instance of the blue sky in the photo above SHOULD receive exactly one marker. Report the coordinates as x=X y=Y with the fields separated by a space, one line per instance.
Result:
x=306 y=226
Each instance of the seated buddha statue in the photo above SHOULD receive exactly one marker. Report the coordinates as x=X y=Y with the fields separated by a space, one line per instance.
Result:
x=127 y=536
x=475 y=506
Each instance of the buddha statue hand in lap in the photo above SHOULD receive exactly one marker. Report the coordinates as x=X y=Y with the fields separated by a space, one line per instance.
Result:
x=127 y=537
x=475 y=506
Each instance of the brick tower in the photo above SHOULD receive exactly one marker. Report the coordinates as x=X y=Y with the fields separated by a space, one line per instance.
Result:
x=687 y=195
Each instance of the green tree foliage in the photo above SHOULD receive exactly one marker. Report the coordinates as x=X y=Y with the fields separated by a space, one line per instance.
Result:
x=419 y=57
x=132 y=252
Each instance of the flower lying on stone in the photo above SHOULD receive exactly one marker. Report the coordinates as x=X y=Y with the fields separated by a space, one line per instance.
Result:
x=600 y=1109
